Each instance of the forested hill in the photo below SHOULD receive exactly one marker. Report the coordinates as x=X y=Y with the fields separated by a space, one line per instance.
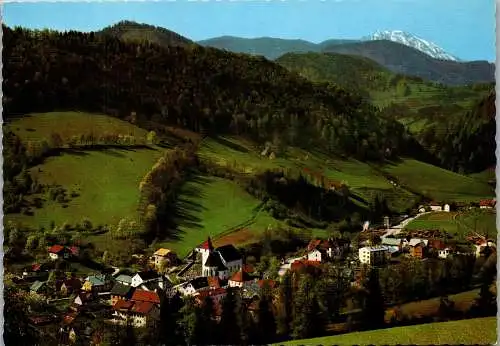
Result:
x=469 y=143
x=203 y=89
x=136 y=32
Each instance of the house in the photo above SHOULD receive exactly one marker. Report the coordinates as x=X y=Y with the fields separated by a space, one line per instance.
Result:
x=446 y=208
x=417 y=250
x=97 y=283
x=164 y=257
x=436 y=244
x=436 y=207
x=239 y=279
x=148 y=277
x=82 y=298
x=214 y=282
x=71 y=285
x=443 y=253
x=221 y=261
x=57 y=252
x=124 y=279
x=487 y=203
x=316 y=255
x=193 y=286
x=139 y=313
x=217 y=295
x=327 y=249
x=300 y=265
x=396 y=242
x=74 y=251
x=120 y=291
x=415 y=241
x=374 y=255
x=39 y=287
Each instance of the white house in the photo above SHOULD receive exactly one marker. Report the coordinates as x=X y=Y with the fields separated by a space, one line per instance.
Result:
x=374 y=255
x=436 y=207
x=192 y=287
x=147 y=277
x=443 y=253
x=314 y=255
x=447 y=208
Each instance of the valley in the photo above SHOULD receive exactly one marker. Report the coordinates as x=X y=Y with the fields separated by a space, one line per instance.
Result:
x=157 y=183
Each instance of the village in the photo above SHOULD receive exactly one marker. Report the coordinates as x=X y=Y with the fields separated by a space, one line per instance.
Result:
x=121 y=298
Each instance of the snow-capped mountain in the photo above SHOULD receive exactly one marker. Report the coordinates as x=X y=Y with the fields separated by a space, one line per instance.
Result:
x=411 y=40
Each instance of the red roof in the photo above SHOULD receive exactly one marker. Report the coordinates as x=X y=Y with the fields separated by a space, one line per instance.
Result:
x=146 y=296
x=210 y=293
x=56 y=249
x=207 y=245
x=36 y=267
x=213 y=281
x=123 y=305
x=303 y=264
x=270 y=283
x=240 y=276
x=74 y=250
x=487 y=202
x=142 y=307
x=248 y=268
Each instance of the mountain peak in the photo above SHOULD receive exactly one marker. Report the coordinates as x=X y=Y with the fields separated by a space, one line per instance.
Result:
x=413 y=41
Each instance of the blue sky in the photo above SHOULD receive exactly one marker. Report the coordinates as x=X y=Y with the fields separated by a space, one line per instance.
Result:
x=465 y=28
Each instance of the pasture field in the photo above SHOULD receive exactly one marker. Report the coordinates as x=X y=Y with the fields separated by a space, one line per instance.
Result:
x=209 y=206
x=38 y=127
x=438 y=183
x=478 y=331
x=107 y=182
x=463 y=224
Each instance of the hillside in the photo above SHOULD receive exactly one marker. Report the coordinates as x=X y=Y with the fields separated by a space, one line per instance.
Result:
x=478 y=331
x=271 y=48
x=426 y=109
x=409 y=61
x=138 y=32
x=204 y=89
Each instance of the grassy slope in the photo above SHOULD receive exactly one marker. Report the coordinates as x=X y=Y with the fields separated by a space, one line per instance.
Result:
x=107 y=180
x=438 y=183
x=210 y=206
x=37 y=127
x=473 y=331
x=462 y=224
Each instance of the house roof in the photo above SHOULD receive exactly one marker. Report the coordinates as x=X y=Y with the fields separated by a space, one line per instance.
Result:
x=162 y=252
x=303 y=264
x=229 y=253
x=248 y=268
x=142 y=308
x=214 y=260
x=146 y=296
x=122 y=290
x=211 y=293
x=36 y=267
x=56 y=249
x=417 y=241
x=240 y=276
x=124 y=278
x=207 y=245
x=213 y=281
x=96 y=280
x=391 y=241
x=437 y=244
x=148 y=275
x=37 y=285
x=199 y=282
x=123 y=305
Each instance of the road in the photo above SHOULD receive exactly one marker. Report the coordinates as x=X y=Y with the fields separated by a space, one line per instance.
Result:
x=399 y=227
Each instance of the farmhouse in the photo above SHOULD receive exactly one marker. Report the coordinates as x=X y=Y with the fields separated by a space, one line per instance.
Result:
x=120 y=291
x=487 y=203
x=239 y=279
x=58 y=251
x=320 y=250
x=374 y=255
x=139 y=313
x=124 y=279
x=164 y=257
